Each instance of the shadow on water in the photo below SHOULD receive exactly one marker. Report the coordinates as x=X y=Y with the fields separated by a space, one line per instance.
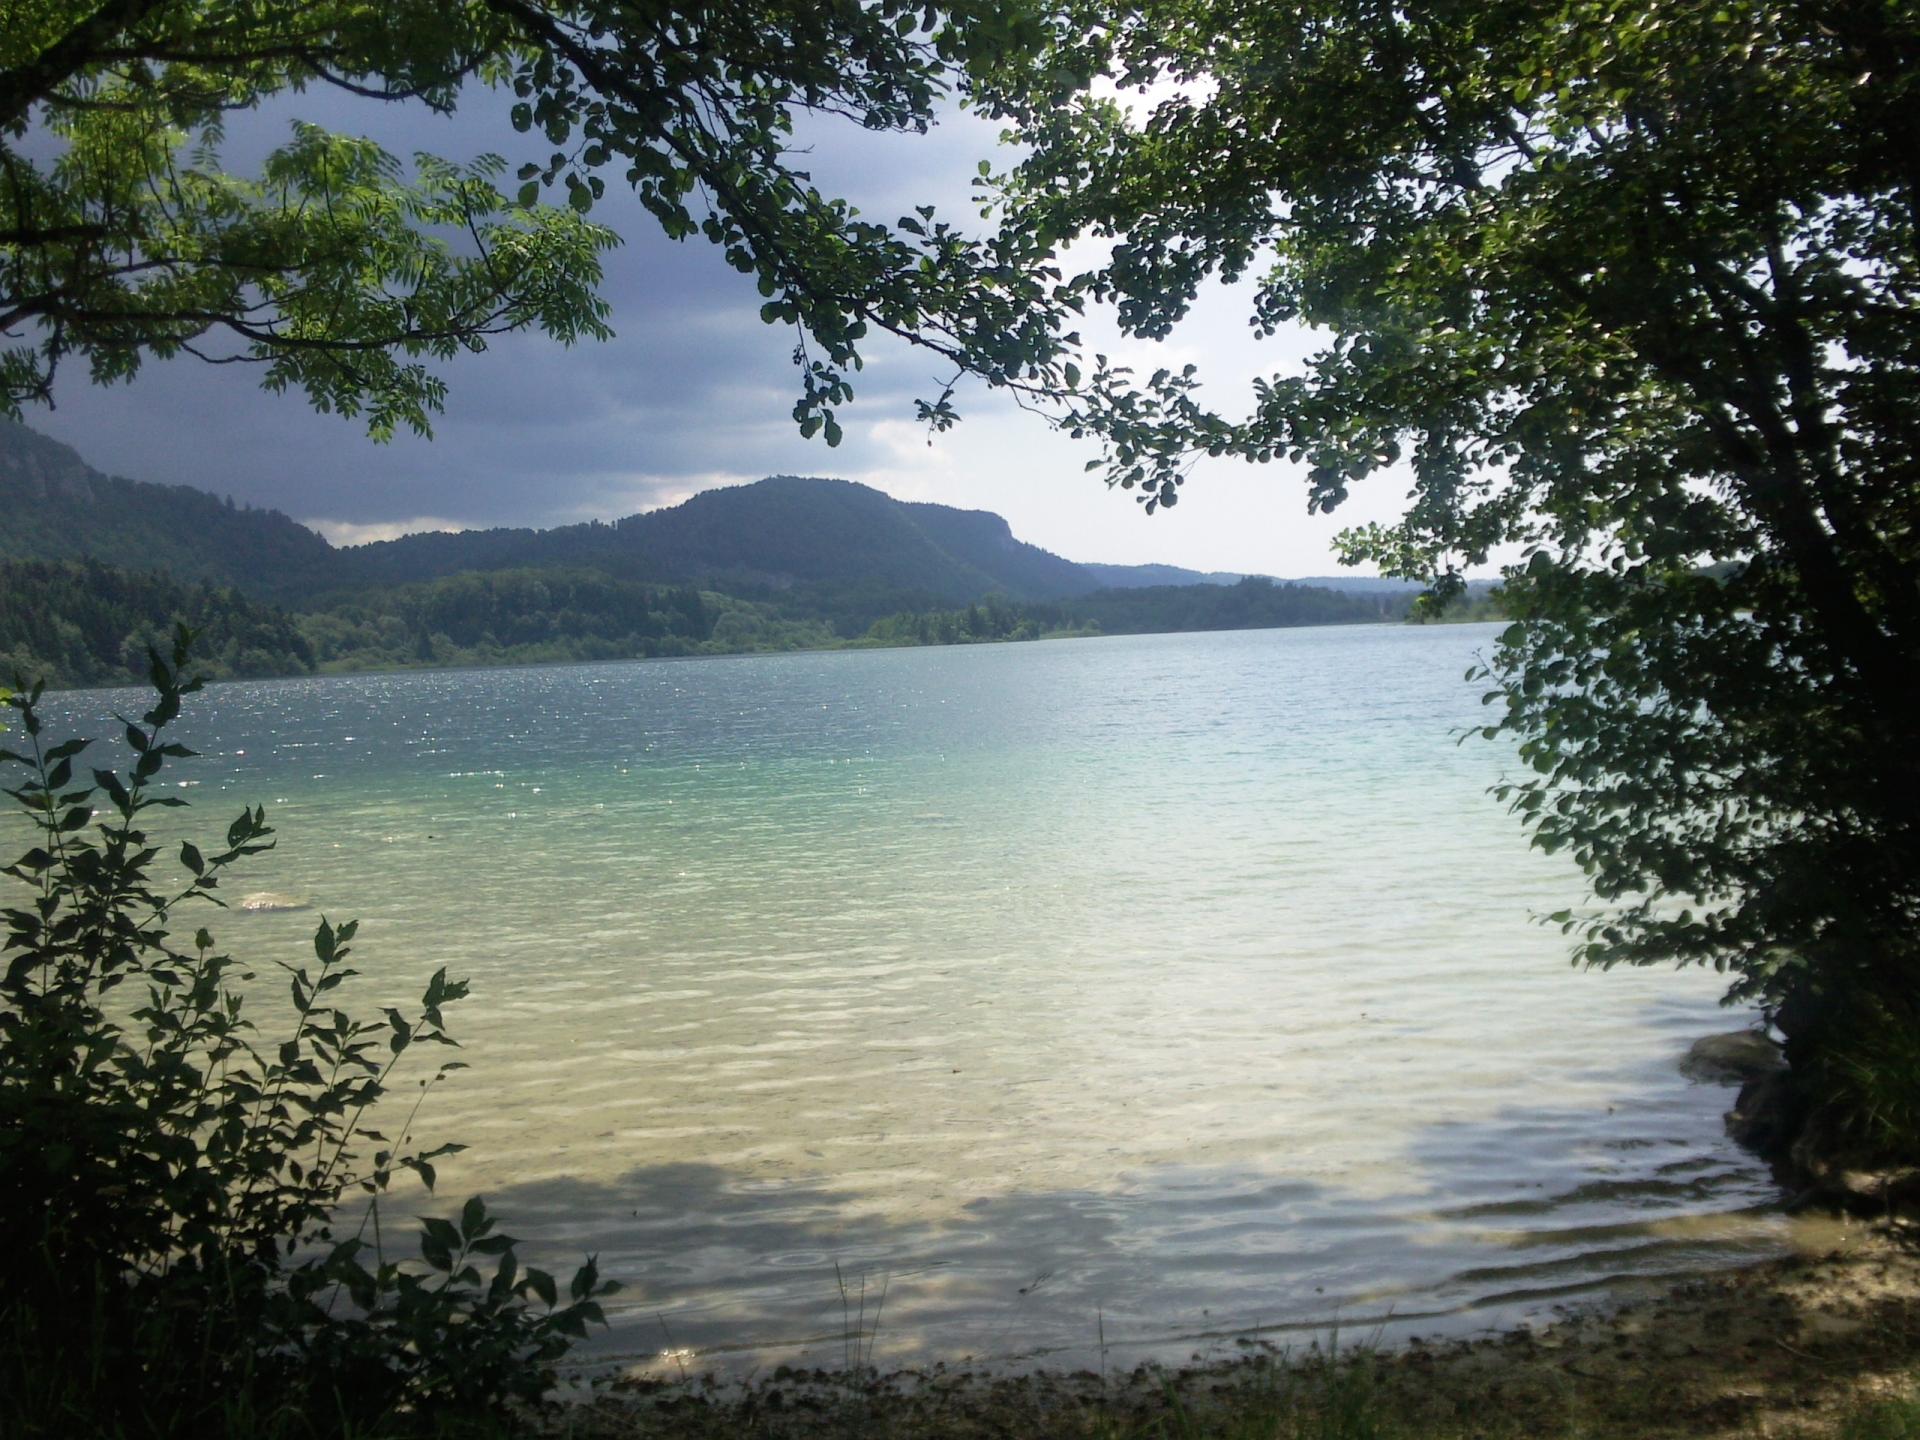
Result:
x=1487 y=1223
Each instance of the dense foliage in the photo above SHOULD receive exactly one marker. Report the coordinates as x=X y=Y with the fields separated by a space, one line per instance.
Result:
x=1630 y=288
x=121 y=236
x=85 y=623
x=993 y=619
x=1255 y=603
x=507 y=614
x=510 y=617
x=181 y=1259
x=343 y=270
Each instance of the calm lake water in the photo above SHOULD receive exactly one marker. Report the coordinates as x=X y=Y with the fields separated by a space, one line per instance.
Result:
x=1166 y=989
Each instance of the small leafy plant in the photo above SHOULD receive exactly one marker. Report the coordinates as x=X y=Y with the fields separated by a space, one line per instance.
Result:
x=174 y=1254
x=1874 y=1083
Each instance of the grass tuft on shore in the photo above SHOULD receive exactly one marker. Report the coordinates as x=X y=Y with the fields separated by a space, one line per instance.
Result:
x=1894 y=1419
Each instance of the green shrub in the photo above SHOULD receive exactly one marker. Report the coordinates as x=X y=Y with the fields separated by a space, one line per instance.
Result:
x=1873 y=1079
x=170 y=1185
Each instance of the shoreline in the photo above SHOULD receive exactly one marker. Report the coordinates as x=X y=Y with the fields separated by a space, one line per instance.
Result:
x=333 y=671
x=1791 y=1346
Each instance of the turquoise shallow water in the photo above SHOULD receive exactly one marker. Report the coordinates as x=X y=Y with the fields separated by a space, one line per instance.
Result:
x=1164 y=988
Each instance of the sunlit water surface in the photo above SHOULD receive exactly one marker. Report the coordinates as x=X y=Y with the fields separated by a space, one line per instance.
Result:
x=1143 y=993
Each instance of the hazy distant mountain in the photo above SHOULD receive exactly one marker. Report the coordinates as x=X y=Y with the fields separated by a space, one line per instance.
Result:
x=1133 y=577
x=1137 y=577
x=57 y=507
x=1362 y=584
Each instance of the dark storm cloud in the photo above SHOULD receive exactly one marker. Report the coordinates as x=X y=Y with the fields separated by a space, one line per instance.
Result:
x=694 y=390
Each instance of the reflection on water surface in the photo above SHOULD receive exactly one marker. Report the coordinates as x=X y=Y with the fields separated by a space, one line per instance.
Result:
x=1170 y=987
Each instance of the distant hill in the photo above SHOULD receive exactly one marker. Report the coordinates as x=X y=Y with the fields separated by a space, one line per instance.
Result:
x=1141 y=577
x=94 y=568
x=786 y=533
x=57 y=507
x=813 y=551
x=1363 y=584
x=778 y=535
x=1138 y=577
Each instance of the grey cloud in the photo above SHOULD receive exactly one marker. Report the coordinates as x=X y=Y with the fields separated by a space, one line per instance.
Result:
x=694 y=391
x=693 y=387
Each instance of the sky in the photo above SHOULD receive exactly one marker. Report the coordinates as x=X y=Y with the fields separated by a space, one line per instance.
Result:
x=695 y=392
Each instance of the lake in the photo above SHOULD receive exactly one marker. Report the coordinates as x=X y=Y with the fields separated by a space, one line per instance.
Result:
x=1111 y=999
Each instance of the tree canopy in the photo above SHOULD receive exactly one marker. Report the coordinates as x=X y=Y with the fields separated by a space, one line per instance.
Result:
x=1626 y=290
x=343 y=270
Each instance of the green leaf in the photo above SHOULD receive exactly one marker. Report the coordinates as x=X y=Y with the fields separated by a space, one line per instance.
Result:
x=543 y=1285
x=585 y=1279
x=439 y=1242
x=110 y=782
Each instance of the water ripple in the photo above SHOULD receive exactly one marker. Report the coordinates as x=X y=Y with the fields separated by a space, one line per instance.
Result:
x=1158 y=989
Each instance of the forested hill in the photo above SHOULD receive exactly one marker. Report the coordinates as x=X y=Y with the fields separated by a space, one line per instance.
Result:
x=93 y=569
x=832 y=549
x=1139 y=577
x=57 y=507
x=786 y=533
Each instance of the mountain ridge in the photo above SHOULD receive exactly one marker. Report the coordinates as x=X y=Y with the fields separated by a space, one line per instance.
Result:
x=94 y=569
x=840 y=547
x=783 y=533
x=60 y=508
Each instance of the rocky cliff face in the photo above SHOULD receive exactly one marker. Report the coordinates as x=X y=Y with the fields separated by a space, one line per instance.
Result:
x=42 y=469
